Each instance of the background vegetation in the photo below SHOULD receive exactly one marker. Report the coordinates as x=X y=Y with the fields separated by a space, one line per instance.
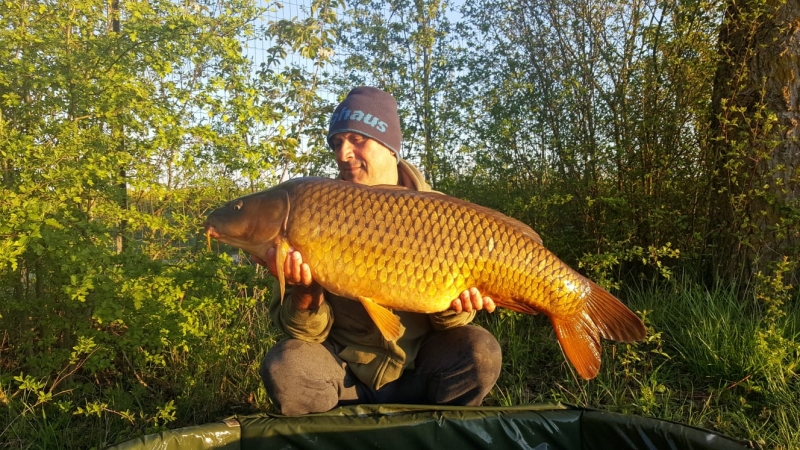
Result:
x=652 y=144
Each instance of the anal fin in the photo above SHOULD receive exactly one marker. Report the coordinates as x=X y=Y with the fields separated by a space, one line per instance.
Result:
x=388 y=323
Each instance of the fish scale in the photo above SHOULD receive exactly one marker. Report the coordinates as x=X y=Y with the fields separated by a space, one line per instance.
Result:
x=347 y=219
x=396 y=249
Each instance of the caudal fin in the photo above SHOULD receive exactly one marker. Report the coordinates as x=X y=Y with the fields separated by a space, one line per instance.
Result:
x=613 y=319
x=602 y=316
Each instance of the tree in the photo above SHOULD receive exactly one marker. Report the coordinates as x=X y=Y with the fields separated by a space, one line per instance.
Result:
x=407 y=48
x=592 y=113
x=297 y=85
x=754 y=156
x=133 y=119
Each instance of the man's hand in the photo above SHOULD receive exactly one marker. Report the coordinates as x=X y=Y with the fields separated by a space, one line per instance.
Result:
x=295 y=271
x=472 y=300
x=306 y=293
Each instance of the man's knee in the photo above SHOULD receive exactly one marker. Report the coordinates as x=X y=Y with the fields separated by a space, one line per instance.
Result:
x=300 y=377
x=465 y=363
x=283 y=358
x=486 y=353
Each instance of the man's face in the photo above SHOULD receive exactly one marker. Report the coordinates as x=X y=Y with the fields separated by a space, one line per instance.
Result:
x=363 y=160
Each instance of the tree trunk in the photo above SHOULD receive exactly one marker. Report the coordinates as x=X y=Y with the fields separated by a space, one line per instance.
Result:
x=753 y=145
x=119 y=134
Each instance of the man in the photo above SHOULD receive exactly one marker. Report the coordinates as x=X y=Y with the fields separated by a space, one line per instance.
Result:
x=335 y=355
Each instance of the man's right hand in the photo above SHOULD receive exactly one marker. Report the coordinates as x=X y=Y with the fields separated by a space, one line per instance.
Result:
x=295 y=271
x=306 y=293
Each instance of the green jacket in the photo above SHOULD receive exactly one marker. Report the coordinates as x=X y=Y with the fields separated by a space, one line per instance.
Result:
x=356 y=339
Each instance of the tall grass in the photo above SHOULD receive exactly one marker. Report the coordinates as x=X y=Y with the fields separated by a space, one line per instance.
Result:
x=710 y=360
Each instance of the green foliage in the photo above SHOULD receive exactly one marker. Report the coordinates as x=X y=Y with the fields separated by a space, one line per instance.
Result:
x=776 y=337
x=297 y=111
x=749 y=353
x=600 y=105
x=120 y=130
x=599 y=267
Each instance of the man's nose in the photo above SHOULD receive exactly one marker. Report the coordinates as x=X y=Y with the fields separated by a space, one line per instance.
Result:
x=345 y=151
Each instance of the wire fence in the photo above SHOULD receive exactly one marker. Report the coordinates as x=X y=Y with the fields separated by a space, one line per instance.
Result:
x=257 y=46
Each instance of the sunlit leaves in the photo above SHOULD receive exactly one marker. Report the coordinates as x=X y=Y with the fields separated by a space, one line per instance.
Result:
x=115 y=144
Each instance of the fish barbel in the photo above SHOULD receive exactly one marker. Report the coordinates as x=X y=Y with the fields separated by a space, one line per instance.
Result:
x=392 y=248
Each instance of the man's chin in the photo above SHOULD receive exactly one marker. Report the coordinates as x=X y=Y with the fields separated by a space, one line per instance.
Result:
x=355 y=176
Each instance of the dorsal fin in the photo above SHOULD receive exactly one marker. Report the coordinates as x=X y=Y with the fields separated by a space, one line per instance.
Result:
x=394 y=187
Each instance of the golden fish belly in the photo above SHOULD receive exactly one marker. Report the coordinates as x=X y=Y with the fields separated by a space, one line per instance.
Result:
x=417 y=251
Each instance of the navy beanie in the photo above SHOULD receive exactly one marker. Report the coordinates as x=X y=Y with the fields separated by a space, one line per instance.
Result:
x=371 y=112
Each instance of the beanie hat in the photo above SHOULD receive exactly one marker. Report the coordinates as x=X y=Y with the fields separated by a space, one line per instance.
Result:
x=371 y=112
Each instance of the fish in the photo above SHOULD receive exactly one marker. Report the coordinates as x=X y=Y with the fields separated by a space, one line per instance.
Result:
x=392 y=248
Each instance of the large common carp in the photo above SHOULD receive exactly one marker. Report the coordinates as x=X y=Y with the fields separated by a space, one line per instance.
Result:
x=390 y=247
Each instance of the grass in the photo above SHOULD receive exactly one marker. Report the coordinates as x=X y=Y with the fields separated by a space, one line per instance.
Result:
x=710 y=360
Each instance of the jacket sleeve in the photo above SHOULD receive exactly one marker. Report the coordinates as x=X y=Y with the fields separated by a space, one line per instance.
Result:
x=450 y=319
x=310 y=326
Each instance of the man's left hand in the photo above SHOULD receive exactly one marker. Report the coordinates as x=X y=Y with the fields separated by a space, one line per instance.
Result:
x=472 y=300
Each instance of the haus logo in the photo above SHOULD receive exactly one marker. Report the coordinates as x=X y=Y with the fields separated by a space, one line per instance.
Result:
x=360 y=116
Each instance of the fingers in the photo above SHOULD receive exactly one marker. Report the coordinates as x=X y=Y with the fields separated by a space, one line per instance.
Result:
x=295 y=271
x=291 y=267
x=271 y=261
x=305 y=275
x=472 y=300
x=299 y=272
x=488 y=304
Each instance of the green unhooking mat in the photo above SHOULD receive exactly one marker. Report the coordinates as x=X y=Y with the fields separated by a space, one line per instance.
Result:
x=404 y=427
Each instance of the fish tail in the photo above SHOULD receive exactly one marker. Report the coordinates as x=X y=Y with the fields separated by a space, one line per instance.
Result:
x=580 y=342
x=613 y=319
x=602 y=316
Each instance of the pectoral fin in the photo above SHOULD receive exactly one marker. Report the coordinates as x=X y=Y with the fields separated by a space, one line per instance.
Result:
x=281 y=251
x=388 y=323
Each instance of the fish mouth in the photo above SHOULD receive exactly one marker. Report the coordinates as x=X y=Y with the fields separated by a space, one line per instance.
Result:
x=213 y=233
x=208 y=238
x=210 y=233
